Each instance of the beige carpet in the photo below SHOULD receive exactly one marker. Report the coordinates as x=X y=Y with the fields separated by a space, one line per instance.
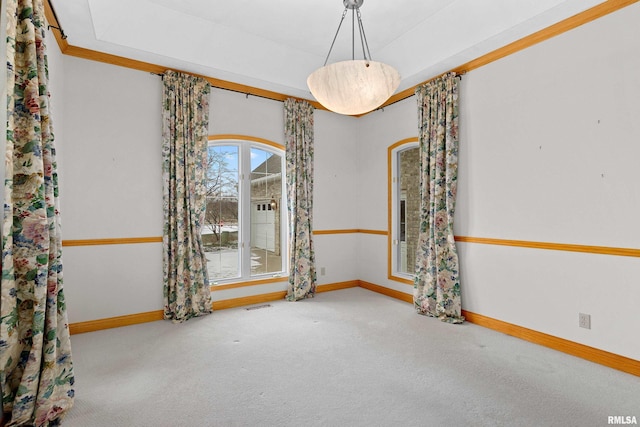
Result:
x=345 y=358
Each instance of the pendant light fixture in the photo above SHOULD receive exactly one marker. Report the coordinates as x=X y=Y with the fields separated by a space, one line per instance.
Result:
x=357 y=86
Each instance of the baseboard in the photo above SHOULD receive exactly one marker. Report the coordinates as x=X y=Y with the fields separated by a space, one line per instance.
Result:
x=115 y=322
x=403 y=296
x=152 y=316
x=250 y=300
x=337 y=286
x=274 y=296
x=601 y=357
x=592 y=354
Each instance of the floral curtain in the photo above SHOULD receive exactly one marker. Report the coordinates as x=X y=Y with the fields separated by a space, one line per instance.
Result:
x=298 y=118
x=36 y=371
x=437 y=282
x=185 y=126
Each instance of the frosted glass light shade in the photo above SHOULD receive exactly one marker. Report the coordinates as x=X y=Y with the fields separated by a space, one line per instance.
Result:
x=352 y=87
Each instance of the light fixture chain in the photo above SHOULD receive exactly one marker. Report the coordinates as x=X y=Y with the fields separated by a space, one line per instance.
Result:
x=353 y=34
x=363 y=37
x=336 y=36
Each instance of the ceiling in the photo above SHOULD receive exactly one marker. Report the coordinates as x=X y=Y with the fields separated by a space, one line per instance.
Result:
x=276 y=44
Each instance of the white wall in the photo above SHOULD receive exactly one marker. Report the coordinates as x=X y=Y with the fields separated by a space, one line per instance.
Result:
x=56 y=89
x=111 y=187
x=376 y=132
x=237 y=113
x=549 y=149
x=335 y=163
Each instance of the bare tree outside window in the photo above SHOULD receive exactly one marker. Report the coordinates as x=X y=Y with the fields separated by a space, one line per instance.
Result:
x=220 y=233
x=222 y=189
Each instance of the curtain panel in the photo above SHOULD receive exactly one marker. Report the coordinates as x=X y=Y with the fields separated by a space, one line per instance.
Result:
x=298 y=117
x=437 y=282
x=185 y=126
x=36 y=370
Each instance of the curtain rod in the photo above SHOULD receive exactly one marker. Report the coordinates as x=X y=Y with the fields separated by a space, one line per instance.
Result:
x=55 y=17
x=239 y=91
x=381 y=108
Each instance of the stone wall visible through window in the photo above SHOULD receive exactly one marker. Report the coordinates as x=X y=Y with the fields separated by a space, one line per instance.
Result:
x=409 y=214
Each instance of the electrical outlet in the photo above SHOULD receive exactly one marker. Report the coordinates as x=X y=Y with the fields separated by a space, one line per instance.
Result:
x=323 y=271
x=584 y=320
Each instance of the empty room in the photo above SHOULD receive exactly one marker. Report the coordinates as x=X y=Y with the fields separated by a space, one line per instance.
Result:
x=335 y=213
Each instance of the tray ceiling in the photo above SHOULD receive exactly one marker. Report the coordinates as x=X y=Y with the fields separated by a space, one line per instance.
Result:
x=276 y=44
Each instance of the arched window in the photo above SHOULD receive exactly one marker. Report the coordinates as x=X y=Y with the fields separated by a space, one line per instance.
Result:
x=245 y=226
x=404 y=210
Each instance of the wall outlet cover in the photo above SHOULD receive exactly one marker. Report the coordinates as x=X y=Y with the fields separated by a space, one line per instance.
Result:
x=584 y=320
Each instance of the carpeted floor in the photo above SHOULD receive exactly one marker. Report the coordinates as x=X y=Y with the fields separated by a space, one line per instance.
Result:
x=345 y=358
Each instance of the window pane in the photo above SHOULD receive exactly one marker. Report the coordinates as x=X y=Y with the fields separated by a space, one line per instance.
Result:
x=266 y=194
x=409 y=208
x=220 y=232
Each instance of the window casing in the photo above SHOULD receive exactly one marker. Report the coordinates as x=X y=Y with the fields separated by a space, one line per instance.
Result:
x=245 y=228
x=404 y=211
